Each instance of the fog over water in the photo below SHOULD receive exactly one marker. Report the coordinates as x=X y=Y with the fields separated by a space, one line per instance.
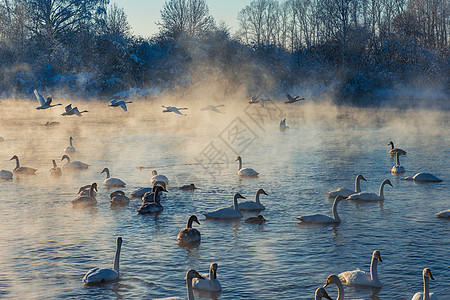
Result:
x=46 y=246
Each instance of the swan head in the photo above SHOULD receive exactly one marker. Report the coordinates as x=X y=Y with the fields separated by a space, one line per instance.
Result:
x=321 y=293
x=237 y=195
x=191 y=274
x=391 y=143
x=213 y=268
x=361 y=177
x=387 y=181
x=14 y=157
x=332 y=279
x=262 y=192
x=94 y=187
x=65 y=156
x=104 y=170
x=159 y=188
x=238 y=158
x=427 y=273
x=154 y=173
x=194 y=218
x=119 y=241
x=377 y=255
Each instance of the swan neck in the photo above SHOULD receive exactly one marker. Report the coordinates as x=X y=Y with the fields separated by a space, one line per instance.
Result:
x=189 y=223
x=426 y=288
x=257 y=196
x=211 y=273
x=358 y=184
x=17 y=162
x=374 y=269
x=235 y=203
x=117 y=257
x=107 y=173
x=54 y=164
x=340 y=287
x=240 y=163
x=70 y=142
x=334 y=210
x=392 y=145
x=381 y=192
x=397 y=159
x=190 y=292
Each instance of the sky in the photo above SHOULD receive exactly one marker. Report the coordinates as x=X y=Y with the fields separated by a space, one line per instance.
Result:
x=143 y=14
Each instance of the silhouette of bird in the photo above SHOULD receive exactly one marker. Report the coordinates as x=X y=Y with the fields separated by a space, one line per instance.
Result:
x=44 y=103
x=292 y=99
x=69 y=111
x=121 y=103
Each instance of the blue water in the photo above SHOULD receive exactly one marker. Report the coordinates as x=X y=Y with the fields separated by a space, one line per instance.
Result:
x=46 y=246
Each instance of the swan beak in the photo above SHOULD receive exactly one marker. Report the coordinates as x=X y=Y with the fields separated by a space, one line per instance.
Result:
x=379 y=258
x=264 y=192
x=390 y=184
x=326 y=296
x=326 y=284
x=236 y=159
x=362 y=177
x=196 y=221
x=429 y=275
x=198 y=275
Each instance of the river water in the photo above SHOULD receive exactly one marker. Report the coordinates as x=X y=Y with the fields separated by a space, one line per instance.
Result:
x=46 y=246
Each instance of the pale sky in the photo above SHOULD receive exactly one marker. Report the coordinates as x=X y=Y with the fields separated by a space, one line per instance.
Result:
x=143 y=14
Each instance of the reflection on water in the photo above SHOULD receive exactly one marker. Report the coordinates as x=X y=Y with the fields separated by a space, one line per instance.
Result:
x=46 y=246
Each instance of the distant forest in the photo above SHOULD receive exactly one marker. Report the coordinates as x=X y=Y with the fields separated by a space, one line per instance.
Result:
x=347 y=48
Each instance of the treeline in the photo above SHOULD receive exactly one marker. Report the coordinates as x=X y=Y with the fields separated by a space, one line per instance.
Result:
x=349 y=48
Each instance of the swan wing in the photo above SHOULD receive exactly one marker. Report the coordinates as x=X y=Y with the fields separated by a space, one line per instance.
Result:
x=223 y=213
x=364 y=196
x=341 y=192
x=356 y=277
x=123 y=105
x=39 y=98
x=98 y=275
x=206 y=284
x=317 y=218
x=251 y=205
x=247 y=172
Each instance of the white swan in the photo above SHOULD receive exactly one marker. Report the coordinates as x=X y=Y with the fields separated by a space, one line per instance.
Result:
x=319 y=218
x=334 y=279
x=55 y=171
x=191 y=274
x=397 y=169
x=189 y=234
x=74 y=165
x=253 y=205
x=82 y=201
x=117 y=103
x=112 y=181
x=245 y=171
x=118 y=198
x=6 y=175
x=209 y=282
x=425 y=295
x=320 y=294
x=347 y=192
x=100 y=275
x=358 y=277
x=44 y=103
x=395 y=150
x=443 y=214
x=228 y=212
x=424 y=177
x=365 y=196
x=213 y=108
x=22 y=170
x=157 y=177
x=283 y=125
x=70 y=148
x=173 y=109
x=69 y=111
x=152 y=207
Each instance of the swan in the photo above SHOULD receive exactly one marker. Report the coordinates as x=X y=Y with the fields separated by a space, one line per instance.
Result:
x=256 y=220
x=191 y=274
x=334 y=279
x=4 y=174
x=140 y=192
x=44 y=103
x=70 y=148
x=111 y=181
x=257 y=99
x=424 y=177
x=253 y=205
x=358 y=277
x=397 y=169
x=148 y=197
x=425 y=295
x=321 y=293
x=74 y=164
x=100 y=275
x=188 y=187
x=212 y=108
x=347 y=192
x=189 y=234
x=365 y=196
x=245 y=171
x=443 y=214
x=173 y=109
x=22 y=170
x=319 y=218
x=208 y=282
x=228 y=212
x=395 y=150
x=69 y=111
x=152 y=207
x=157 y=177
x=55 y=171
x=117 y=103
x=283 y=125
x=86 y=200
x=292 y=99
x=118 y=198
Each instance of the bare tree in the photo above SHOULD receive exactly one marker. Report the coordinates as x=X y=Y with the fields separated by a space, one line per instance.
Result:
x=115 y=22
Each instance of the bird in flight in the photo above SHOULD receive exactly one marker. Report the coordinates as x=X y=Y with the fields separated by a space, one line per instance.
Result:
x=121 y=103
x=69 y=111
x=44 y=103
x=173 y=109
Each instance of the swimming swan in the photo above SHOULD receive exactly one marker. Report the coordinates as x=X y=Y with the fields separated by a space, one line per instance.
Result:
x=397 y=169
x=253 y=205
x=358 y=277
x=347 y=192
x=395 y=150
x=22 y=170
x=112 y=181
x=424 y=177
x=425 y=295
x=140 y=192
x=443 y=214
x=74 y=165
x=321 y=293
x=44 y=103
x=283 y=125
x=55 y=171
x=82 y=201
x=100 y=275
x=334 y=279
x=365 y=196
x=191 y=274
x=6 y=175
x=157 y=177
x=209 y=282
x=70 y=148
x=245 y=171
x=228 y=212
x=319 y=218
x=189 y=234
x=154 y=192
x=118 y=198
x=152 y=207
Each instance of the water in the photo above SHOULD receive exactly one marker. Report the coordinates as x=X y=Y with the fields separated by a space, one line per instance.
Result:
x=46 y=246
